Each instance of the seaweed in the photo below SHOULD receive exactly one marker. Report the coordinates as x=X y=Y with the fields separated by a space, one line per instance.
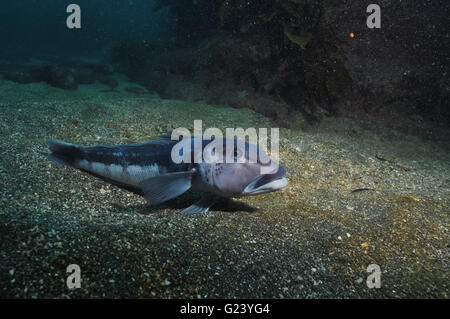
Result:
x=283 y=49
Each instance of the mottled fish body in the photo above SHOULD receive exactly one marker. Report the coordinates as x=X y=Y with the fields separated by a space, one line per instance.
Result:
x=125 y=164
x=149 y=167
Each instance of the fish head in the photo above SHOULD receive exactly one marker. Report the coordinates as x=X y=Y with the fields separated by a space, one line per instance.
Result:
x=246 y=170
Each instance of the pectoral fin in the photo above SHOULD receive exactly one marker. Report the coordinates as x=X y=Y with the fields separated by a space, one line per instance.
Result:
x=202 y=206
x=164 y=187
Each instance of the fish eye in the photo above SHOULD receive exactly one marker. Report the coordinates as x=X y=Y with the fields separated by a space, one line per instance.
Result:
x=237 y=153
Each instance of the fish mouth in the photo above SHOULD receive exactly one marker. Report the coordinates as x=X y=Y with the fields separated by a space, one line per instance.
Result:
x=267 y=183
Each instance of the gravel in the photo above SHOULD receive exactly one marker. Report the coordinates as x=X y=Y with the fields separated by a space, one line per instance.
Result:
x=357 y=195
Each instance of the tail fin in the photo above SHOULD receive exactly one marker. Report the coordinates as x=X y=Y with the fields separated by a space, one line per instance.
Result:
x=64 y=153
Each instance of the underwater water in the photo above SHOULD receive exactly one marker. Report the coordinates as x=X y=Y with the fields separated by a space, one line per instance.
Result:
x=359 y=112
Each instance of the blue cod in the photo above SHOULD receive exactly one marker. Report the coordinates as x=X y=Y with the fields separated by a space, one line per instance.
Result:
x=149 y=169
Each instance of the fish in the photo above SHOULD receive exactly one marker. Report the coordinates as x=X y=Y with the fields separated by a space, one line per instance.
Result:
x=150 y=169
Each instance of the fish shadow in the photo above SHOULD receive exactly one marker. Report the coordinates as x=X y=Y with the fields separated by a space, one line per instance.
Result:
x=184 y=201
x=224 y=204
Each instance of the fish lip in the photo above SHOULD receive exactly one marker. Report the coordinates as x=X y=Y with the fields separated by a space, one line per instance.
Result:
x=271 y=186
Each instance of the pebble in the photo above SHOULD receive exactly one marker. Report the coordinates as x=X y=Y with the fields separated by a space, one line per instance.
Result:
x=83 y=207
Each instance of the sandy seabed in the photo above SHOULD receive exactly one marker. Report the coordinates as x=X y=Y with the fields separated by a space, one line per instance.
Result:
x=357 y=195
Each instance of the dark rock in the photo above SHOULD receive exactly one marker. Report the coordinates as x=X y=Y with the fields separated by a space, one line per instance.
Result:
x=129 y=56
x=56 y=76
x=136 y=90
x=109 y=81
x=19 y=77
x=84 y=76
x=101 y=68
x=109 y=91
